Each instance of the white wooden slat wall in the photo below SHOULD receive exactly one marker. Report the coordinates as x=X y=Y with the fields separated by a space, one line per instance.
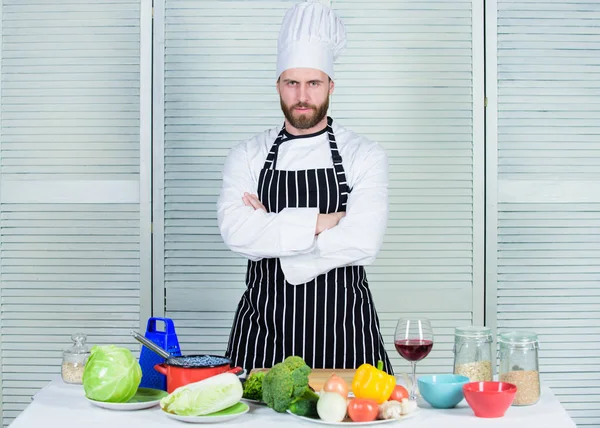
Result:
x=407 y=80
x=71 y=223
x=218 y=90
x=548 y=227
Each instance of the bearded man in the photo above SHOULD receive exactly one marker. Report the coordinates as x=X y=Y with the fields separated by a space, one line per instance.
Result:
x=307 y=204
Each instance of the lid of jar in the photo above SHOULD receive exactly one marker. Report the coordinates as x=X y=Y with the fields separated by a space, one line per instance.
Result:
x=518 y=338
x=472 y=331
x=79 y=346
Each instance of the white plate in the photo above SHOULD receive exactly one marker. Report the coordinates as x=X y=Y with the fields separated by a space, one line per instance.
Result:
x=232 y=412
x=258 y=402
x=144 y=398
x=348 y=423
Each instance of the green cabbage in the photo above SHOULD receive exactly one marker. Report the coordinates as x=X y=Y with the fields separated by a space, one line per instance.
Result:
x=204 y=397
x=111 y=374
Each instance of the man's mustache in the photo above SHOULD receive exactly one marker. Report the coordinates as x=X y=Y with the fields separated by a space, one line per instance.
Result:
x=303 y=105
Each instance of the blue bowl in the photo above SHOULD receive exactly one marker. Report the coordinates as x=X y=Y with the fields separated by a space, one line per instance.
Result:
x=442 y=391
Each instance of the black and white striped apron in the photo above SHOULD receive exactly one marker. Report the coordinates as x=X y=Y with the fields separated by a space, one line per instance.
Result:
x=330 y=321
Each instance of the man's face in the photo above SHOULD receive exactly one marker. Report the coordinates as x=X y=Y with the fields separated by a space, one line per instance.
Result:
x=304 y=95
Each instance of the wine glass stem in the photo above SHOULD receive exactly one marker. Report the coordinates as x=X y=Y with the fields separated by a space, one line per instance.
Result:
x=413 y=390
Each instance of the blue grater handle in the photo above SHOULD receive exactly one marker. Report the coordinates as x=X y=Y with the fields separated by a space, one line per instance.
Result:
x=169 y=326
x=151 y=333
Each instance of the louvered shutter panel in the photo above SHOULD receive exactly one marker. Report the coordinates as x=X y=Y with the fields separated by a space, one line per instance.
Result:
x=219 y=89
x=405 y=80
x=548 y=249
x=70 y=185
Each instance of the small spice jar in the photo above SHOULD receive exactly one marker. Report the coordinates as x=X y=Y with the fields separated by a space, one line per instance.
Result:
x=519 y=365
x=74 y=359
x=473 y=353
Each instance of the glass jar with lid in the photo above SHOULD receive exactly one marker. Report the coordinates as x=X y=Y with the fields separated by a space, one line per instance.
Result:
x=519 y=365
x=473 y=353
x=74 y=359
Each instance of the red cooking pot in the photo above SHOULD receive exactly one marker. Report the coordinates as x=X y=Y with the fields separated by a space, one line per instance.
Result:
x=188 y=369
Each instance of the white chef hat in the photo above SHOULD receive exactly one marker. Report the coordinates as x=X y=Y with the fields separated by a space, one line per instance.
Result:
x=311 y=36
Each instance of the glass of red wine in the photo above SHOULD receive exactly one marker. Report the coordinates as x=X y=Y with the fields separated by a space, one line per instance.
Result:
x=413 y=340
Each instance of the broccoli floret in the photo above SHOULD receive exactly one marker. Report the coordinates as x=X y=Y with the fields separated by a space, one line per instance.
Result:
x=293 y=362
x=286 y=383
x=306 y=408
x=278 y=388
x=253 y=386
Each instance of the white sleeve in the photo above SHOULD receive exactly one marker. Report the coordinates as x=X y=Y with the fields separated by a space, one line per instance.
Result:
x=358 y=237
x=256 y=234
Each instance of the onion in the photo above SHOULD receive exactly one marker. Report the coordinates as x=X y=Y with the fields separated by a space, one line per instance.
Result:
x=331 y=407
x=336 y=384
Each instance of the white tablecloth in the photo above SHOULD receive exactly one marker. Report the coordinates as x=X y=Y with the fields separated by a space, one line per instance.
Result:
x=61 y=405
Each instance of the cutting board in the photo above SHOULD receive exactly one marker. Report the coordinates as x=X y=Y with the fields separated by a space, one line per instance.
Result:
x=318 y=377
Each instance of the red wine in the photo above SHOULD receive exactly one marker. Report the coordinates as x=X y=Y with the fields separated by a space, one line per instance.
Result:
x=413 y=349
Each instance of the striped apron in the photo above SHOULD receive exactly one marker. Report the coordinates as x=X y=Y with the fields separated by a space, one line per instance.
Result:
x=330 y=321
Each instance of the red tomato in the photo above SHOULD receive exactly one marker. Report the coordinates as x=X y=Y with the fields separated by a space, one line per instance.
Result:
x=363 y=409
x=398 y=393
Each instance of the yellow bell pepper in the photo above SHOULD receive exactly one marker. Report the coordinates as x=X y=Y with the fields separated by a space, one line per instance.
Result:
x=372 y=382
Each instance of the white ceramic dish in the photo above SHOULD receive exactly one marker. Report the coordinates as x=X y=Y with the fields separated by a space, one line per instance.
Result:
x=348 y=423
x=257 y=402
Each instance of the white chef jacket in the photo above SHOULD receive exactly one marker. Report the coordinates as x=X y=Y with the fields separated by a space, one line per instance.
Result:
x=290 y=234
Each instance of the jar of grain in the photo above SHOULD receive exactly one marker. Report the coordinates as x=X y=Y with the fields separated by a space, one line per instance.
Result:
x=518 y=355
x=74 y=359
x=473 y=353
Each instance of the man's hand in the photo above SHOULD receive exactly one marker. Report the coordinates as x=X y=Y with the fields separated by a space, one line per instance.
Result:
x=328 y=221
x=253 y=201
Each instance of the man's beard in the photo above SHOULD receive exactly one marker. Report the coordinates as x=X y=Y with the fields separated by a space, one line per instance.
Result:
x=308 y=120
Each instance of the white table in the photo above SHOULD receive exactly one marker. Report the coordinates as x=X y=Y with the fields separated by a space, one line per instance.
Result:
x=61 y=405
